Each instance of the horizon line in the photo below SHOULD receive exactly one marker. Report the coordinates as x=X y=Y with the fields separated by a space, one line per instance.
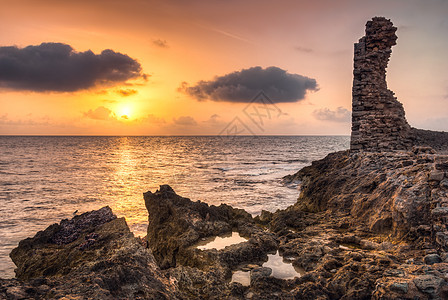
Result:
x=190 y=135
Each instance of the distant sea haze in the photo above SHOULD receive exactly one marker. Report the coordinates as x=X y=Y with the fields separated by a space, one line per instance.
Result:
x=46 y=179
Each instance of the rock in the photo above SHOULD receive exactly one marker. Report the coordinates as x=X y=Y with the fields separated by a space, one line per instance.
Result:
x=115 y=265
x=369 y=245
x=264 y=218
x=16 y=292
x=436 y=175
x=176 y=223
x=431 y=259
x=444 y=183
x=257 y=273
x=440 y=211
x=400 y=287
x=429 y=284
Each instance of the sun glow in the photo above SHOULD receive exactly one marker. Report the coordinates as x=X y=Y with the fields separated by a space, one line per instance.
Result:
x=124 y=111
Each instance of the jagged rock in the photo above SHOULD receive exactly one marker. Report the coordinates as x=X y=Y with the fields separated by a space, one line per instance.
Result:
x=257 y=273
x=375 y=189
x=177 y=223
x=92 y=256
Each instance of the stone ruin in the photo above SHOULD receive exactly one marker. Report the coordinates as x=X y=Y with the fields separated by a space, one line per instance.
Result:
x=378 y=118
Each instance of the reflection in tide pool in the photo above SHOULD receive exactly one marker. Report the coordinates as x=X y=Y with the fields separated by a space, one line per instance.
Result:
x=242 y=277
x=282 y=269
x=220 y=242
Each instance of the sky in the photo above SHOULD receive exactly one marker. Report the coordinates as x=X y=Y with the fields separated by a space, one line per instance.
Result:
x=140 y=67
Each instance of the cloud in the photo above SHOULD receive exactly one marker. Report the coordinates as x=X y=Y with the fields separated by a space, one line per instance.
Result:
x=339 y=115
x=153 y=119
x=127 y=92
x=100 y=113
x=185 y=121
x=160 y=43
x=29 y=121
x=242 y=86
x=57 y=67
x=303 y=49
x=213 y=118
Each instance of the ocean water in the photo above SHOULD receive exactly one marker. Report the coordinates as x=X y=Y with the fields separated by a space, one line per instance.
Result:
x=46 y=179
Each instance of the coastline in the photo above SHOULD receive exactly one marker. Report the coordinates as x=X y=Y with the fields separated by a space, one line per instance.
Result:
x=369 y=223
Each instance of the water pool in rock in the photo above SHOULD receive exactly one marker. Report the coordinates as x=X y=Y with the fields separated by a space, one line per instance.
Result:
x=242 y=277
x=281 y=268
x=220 y=242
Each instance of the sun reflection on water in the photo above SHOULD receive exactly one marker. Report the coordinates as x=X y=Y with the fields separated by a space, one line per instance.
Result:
x=46 y=179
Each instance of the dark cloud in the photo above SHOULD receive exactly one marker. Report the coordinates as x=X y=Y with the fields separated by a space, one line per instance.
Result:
x=100 y=113
x=57 y=67
x=160 y=43
x=127 y=92
x=339 y=115
x=185 y=121
x=242 y=86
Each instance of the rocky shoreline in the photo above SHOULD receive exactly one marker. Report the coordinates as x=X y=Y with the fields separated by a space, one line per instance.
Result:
x=369 y=223
x=344 y=253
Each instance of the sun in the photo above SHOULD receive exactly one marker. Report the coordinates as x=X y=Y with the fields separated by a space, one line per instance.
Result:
x=124 y=112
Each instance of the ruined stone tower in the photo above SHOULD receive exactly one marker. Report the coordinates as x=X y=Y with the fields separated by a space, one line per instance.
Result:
x=378 y=119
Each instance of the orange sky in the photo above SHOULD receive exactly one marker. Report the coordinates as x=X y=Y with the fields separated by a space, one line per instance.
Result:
x=190 y=41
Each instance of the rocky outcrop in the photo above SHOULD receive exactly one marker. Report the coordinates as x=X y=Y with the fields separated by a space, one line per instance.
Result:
x=396 y=194
x=92 y=256
x=378 y=118
x=176 y=223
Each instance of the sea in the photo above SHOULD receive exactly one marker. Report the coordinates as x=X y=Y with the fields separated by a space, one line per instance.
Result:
x=44 y=179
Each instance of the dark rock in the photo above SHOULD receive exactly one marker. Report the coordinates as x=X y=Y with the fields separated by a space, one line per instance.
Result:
x=115 y=265
x=257 y=273
x=429 y=284
x=264 y=218
x=176 y=223
x=431 y=259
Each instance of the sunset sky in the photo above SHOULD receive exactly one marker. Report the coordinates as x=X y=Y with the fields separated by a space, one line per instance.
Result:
x=138 y=67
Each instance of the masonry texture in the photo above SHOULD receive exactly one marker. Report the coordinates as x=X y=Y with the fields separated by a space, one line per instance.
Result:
x=378 y=118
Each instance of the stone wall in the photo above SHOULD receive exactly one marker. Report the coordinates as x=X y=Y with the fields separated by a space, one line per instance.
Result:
x=378 y=119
